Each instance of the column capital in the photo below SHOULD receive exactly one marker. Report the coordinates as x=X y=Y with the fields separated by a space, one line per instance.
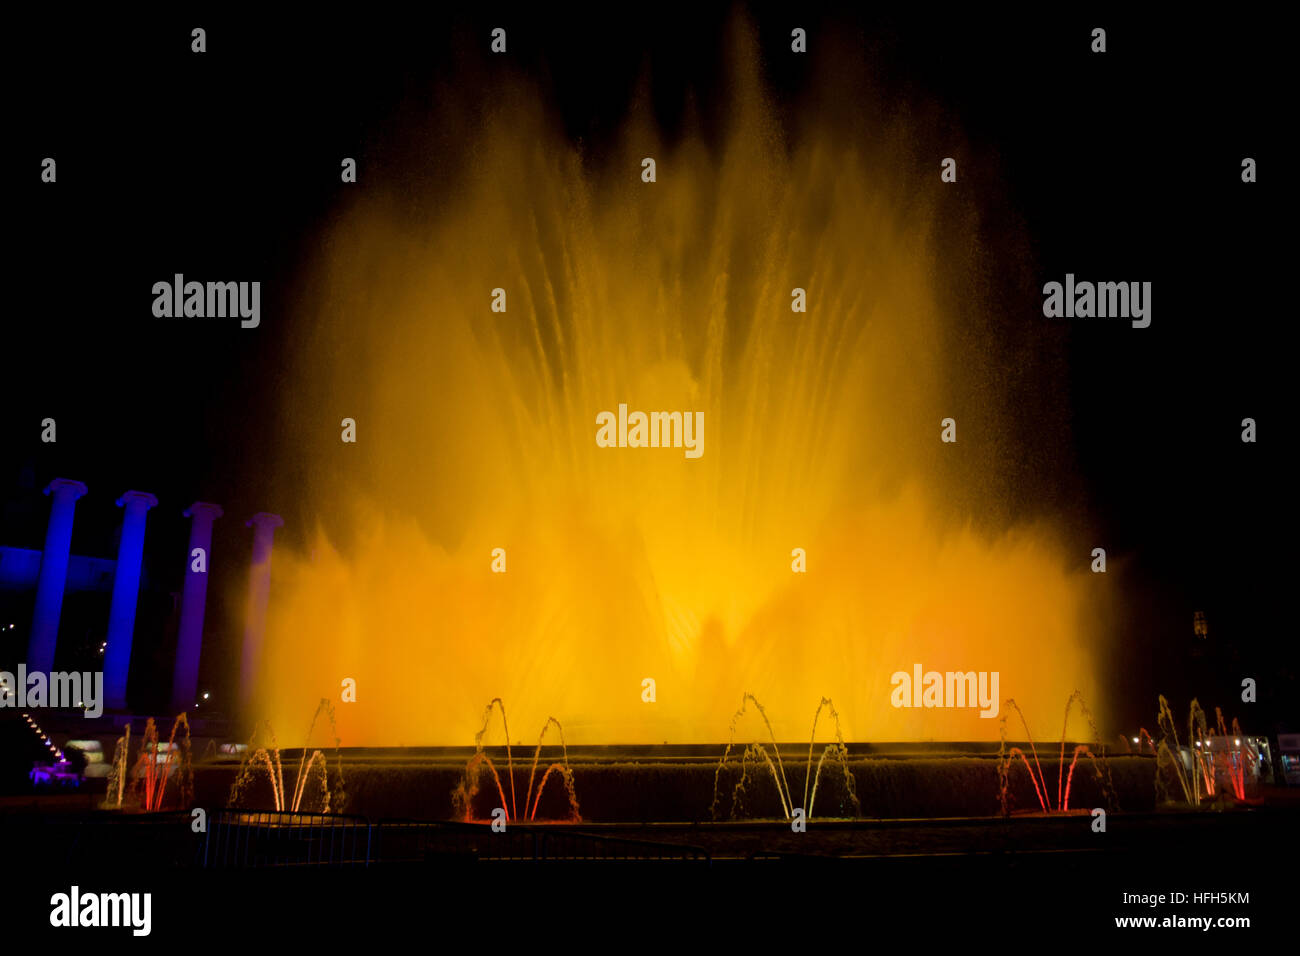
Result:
x=203 y=509
x=137 y=498
x=63 y=487
x=264 y=519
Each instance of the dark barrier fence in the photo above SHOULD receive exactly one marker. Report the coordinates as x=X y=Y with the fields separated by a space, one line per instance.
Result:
x=244 y=838
x=251 y=838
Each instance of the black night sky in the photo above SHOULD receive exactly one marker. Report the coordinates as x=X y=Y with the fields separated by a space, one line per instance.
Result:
x=1125 y=165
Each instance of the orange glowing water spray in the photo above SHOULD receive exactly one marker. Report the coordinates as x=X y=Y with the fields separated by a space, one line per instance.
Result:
x=510 y=766
x=1064 y=781
x=468 y=787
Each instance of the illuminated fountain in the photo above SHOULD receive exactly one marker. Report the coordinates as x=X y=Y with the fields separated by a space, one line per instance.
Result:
x=1235 y=760
x=117 y=775
x=480 y=763
x=262 y=761
x=145 y=785
x=1208 y=759
x=1064 y=780
x=756 y=754
x=821 y=433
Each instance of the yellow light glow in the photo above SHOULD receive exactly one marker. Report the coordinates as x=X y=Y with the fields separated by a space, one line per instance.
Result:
x=476 y=430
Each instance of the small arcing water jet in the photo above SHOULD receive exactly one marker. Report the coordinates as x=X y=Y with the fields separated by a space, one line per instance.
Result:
x=755 y=752
x=1064 y=780
x=1197 y=767
x=144 y=785
x=117 y=774
x=312 y=764
x=468 y=788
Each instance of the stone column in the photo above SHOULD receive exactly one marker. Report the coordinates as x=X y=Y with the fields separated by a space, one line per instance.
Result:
x=259 y=592
x=126 y=593
x=44 y=637
x=189 y=642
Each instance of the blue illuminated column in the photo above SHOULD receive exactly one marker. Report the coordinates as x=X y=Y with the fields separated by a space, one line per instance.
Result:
x=126 y=592
x=259 y=592
x=189 y=645
x=53 y=575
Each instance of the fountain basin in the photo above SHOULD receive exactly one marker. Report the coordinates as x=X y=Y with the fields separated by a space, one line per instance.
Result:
x=618 y=788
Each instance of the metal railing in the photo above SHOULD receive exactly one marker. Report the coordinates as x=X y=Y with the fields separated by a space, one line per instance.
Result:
x=245 y=838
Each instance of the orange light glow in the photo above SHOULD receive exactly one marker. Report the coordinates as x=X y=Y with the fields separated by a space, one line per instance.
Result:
x=476 y=430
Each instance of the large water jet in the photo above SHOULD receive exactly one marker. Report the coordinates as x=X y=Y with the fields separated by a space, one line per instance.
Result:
x=475 y=437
